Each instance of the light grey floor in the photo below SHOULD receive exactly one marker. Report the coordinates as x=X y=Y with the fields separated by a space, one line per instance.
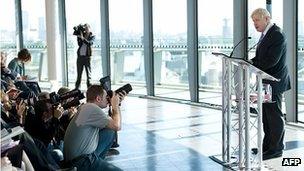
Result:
x=158 y=135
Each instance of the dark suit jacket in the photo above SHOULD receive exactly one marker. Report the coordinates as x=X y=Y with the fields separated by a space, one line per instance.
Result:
x=271 y=57
x=88 y=42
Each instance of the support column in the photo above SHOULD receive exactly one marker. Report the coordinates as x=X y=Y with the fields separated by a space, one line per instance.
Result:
x=63 y=42
x=290 y=30
x=105 y=38
x=148 y=46
x=52 y=40
x=240 y=27
x=19 y=25
x=192 y=49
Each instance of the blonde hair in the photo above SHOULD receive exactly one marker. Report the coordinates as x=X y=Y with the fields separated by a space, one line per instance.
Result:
x=260 y=13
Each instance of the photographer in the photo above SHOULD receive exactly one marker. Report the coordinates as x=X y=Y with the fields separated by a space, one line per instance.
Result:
x=43 y=123
x=85 y=40
x=90 y=134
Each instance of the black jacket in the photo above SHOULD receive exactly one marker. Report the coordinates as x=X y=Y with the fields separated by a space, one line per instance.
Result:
x=88 y=42
x=271 y=57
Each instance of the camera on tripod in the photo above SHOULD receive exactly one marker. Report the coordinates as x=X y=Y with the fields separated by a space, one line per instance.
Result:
x=106 y=84
x=67 y=100
x=79 y=29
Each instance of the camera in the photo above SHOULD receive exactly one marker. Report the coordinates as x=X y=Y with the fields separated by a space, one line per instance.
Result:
x=106 y=84
x=29 y=101
x=28 y=97
x=67 y=100
x=78 y=29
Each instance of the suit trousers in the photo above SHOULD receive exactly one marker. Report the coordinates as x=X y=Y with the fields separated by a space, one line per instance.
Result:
x=273 y=124
x=83 y=62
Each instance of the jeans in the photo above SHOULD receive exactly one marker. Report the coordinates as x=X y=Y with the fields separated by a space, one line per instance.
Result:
x=106 y=138
x=95 y=160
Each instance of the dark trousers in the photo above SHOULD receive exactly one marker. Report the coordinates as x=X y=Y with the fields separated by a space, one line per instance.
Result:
x=83 y=62
x=273 y=124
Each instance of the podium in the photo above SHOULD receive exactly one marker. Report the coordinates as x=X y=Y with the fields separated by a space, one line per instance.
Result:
x=236 y=120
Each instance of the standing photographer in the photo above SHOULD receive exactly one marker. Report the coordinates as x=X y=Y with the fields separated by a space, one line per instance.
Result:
x=85 y=40
x=90 y=133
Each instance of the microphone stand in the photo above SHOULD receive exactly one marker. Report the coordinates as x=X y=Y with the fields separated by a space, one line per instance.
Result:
x=238 y=45
x=252 y=47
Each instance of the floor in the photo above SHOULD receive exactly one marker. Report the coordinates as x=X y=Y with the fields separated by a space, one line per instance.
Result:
x=165 y=136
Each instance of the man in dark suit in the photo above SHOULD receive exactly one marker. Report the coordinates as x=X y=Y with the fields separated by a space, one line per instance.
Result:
x=271 y=58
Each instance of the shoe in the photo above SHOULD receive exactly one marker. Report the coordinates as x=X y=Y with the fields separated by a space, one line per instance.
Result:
x=272 y=154
x=112 y=152
x=115 y=145
x=254 y=151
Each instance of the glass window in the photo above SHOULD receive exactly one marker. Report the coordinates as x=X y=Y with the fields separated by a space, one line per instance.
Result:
x=81 y=12
x=277 y=12
x=170 y=50
x=300 y=61
x=252 y=5
x=215 y=34
x=126 y=33
x=34 y=37
x=7 y=29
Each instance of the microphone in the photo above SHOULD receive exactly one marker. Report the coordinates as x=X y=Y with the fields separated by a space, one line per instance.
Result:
x=252 y=47
x=245 y=38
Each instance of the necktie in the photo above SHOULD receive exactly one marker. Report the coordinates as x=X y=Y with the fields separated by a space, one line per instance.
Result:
x=261 y=38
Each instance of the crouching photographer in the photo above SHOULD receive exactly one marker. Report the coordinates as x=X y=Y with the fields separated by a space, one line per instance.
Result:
x=105 y=82
x=90 y=133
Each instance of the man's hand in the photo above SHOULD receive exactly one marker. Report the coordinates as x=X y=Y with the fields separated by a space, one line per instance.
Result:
x=13 y=93
x=122 y=95
x=80 y=36
x=21 y=108
x=115 y=101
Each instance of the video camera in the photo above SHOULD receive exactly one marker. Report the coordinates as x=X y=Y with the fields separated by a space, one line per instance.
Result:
x=68 y=99
x=79 y=29
x=106 y=84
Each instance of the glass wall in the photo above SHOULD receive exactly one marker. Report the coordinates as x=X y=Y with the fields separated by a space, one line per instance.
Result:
x=300 y=61
x=170 y=51
x=81 y=12
x=34 y=37
x=277 y=12
x=7 y=29
x=126 y=34
x=215 y=34
x=252 y=5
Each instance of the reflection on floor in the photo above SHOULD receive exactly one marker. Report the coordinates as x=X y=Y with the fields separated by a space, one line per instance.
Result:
x=158 y=135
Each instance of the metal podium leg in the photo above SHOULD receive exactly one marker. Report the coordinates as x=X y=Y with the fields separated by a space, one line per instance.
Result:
x=247 y=121
x=229 y=94
x=226 y=111
x=226 y=84
x=260 y=115
x=224 y=108
x=241 y=120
